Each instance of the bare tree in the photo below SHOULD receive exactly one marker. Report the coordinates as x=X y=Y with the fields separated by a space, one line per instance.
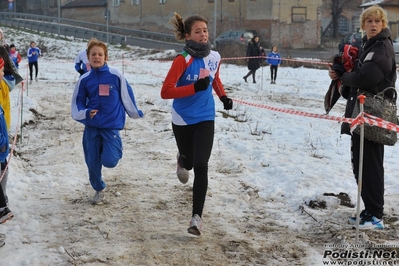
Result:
x=336 y=9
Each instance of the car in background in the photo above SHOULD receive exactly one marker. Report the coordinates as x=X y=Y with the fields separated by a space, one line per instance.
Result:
x=354 y=39
x=234 y=37
x=396 y=45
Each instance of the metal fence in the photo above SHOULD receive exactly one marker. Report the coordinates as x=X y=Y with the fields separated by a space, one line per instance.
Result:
x=79 y=29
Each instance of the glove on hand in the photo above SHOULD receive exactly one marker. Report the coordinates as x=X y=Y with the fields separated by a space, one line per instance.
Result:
x=339 y=69
x=81 y=71
x=201 y=84
x=227 y=103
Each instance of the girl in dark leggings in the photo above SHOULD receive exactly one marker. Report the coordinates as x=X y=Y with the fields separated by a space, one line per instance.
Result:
x=190 y=80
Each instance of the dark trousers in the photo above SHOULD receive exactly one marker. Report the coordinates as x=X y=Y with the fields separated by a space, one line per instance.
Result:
x=195 y=146
x=251 y=72
x=273 y=72
x=373 y=174
x=31 y=64
x=2 y=198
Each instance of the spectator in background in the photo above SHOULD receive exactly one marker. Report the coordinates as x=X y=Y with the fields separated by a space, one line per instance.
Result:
x=82 y=64
x=14 y=55
x=5 y=212
x=33 y=56
x=7 y=83
x=274 y=60
x=254 y=54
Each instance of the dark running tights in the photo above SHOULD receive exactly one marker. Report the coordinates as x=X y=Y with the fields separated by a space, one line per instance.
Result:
x=31 y=69
x=195 y=146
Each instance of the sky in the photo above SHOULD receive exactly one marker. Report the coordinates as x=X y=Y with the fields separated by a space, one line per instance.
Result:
x=275 y=173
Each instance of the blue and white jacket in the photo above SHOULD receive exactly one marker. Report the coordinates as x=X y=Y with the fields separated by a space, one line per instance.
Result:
x=273 y=58
x=112 y=107
x=33 y=54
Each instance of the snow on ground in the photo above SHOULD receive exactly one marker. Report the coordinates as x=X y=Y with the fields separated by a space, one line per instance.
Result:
x=268 y=172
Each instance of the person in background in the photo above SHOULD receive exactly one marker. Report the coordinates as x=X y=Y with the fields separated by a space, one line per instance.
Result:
x=100 y=101
x=14 y=55
x=373 y=71
x=33 y=56
x=5 y=212
x=7 y=84
x=189 y=82
x=274 y=60
x=254 y=54
x=82 y=64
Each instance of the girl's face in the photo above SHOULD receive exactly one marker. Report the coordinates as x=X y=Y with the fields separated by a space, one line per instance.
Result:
x=256 y=39
x=199 y=32
x=372 y=26
x=274 y=48
x=97 y=56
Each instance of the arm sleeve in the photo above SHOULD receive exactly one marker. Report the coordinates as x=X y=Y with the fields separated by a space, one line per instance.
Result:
x=169 y=89
x=77 y=66
x=128 y=100
x=79 y=110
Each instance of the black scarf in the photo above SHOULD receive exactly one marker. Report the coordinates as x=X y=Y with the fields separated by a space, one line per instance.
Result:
x=197 y=49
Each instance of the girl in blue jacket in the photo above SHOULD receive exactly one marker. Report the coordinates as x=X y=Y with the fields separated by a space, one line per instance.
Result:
x=33 y=56
x=100 y=101
x=274 y=60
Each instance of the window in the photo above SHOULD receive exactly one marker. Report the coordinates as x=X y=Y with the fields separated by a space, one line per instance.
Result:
x=135 y=2
x=162 y=1
x=116 y=2
x=343 y=25
x=298 y=14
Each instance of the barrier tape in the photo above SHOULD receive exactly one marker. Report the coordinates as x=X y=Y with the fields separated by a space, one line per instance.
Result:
x=373 y=121
x=354 y=122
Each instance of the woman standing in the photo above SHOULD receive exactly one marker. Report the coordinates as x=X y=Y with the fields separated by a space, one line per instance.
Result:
x=100 y=101
x=374 y=71
x=254 y=53
x=193 y=74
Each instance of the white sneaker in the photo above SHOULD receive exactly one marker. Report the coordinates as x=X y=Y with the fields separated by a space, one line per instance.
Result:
x=182 y=173
x=370 y=222
x=195 y=225
x=97 y=198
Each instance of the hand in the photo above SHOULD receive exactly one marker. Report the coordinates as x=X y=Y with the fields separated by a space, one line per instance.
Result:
x=93 y=113
x=331 y=73
x=227 y=103
x=3 y=149
x=339 y=69
x=201 y=84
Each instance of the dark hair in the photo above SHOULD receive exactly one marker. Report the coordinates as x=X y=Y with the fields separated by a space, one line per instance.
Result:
x=8 y=63
x=183 y=27
x=12 y=45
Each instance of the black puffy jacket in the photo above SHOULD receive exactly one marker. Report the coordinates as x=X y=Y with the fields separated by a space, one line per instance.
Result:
x=374 y=70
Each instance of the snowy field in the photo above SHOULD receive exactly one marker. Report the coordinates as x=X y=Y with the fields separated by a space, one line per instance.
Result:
x=275 y=177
